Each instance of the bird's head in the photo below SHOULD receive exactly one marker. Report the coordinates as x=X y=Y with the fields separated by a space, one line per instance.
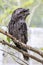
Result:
x=20 y=13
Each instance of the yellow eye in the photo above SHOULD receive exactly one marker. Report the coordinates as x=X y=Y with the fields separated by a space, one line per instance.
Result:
x=22 y=12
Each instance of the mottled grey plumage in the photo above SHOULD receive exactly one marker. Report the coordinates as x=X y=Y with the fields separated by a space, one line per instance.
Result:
x=18 y=27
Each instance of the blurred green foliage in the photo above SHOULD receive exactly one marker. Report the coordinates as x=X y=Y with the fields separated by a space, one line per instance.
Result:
x=41 y=49
x=8 y=39
x=8 y=6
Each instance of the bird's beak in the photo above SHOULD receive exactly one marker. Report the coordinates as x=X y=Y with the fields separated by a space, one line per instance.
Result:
x=27 y=12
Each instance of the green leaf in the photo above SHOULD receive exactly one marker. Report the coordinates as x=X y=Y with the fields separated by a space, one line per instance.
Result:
x=2 y=36
x=28 y=3
x=8 y=39
x=41 y=48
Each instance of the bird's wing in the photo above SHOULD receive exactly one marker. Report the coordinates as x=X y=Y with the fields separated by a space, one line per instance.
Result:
x=23 y=32
x=10 y=28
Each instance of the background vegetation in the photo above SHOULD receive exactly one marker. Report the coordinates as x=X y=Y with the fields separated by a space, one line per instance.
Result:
x=8 y=6
x=35 y=19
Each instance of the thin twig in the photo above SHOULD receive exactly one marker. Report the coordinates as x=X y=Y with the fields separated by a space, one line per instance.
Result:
x=23 y=52
x=10 y=54
x=17 y=61
x=14 y=56
x=22 y=44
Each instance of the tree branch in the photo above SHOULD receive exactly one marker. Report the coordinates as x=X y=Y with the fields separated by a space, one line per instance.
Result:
x=14 y=56
x=27 y=54
x=22 y=44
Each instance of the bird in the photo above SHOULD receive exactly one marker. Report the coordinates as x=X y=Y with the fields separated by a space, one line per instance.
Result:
x=17 y=27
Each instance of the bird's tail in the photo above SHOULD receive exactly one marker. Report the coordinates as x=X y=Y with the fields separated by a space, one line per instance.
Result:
x=26 y=57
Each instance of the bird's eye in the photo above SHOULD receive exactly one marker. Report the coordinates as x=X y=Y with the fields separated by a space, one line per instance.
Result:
x=22 y=12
